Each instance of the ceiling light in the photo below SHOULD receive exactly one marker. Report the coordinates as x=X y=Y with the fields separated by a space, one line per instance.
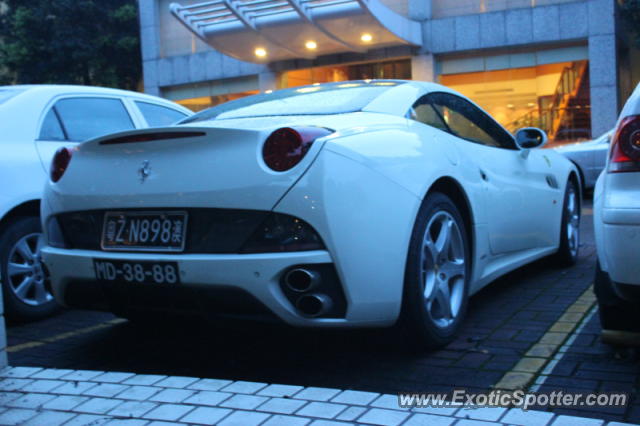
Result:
x=366 y=37
x=260 y=52
x=311 y=45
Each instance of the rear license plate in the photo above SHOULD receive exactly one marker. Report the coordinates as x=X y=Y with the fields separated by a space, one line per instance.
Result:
x=144 y=231
x=108 y=270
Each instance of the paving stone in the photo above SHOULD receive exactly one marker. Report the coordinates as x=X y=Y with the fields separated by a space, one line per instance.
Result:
x=127 y=422
x=383 y=417
x=179 y=382
x=42 y=385
x=355 y=397
x=514 y=380
x=440 y=411
x=19 y=372
x=207 y=398
x=144 y=379
x=483 y=413
x=16 y=416
x=280 y=390
x=98 y=405
x=30 y=400
x=65 y=402
x=244 y=418
x=5 y=397
x=243 y=402
x=244 y=387
x=428 y=420
x=542 y=350
x=105 y=390
x=74 y=388
x=517 y=416
x=577 y=421
x=326 y=410
x=281 y=405
x=88 y=420
x=139 y=393
x=133 y=409
x=172 y=395
x=12 y=384
x=82 y=375
x=467 y=422
x=530 y=365
x=209 y=384
x=328 y=423
x=49 y=418
x=351 y=413
x=387 y=401
x=169 y=412
x=280 y=420
x=112 y=377
x=206 y=415
x=317 y=394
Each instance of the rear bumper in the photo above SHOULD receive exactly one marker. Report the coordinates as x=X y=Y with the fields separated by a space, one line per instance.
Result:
x=619 y=245
x=247 y=285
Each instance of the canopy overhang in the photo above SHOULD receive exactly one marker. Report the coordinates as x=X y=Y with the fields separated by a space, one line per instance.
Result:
x=264 y=31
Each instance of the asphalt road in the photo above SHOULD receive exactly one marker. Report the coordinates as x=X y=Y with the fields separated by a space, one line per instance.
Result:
x=505 y=321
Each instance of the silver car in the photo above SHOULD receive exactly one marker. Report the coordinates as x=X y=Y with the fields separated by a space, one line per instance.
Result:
x=590 y=157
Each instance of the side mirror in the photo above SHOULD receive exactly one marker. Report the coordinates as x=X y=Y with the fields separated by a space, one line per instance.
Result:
x=529 y=138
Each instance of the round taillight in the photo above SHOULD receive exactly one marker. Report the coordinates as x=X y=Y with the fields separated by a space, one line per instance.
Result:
x=59 y=164
x=286 y=147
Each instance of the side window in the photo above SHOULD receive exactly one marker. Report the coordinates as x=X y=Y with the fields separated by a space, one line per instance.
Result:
x=425 y=113
x=157 y=115
x=87 y=118
x=467 y=121
x=51 y=128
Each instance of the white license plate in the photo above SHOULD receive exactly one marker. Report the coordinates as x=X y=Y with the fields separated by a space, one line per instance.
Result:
x=108 y=270
x=144 y=231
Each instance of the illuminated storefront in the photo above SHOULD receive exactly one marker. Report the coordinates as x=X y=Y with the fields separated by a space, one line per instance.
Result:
x=545 y=63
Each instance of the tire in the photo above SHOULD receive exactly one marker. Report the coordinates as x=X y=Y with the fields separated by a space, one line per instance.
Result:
x=19 y=241
x=438 y=271
x=615 y=313
x=567 y=253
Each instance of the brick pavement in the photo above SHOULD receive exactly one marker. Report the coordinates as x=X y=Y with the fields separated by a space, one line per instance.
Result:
x=36 y=396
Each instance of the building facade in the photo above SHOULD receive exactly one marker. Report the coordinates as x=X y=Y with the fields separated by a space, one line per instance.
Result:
x=562 y=65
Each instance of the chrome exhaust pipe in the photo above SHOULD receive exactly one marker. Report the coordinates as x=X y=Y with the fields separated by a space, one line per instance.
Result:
x=313 y=305
x=301 y=280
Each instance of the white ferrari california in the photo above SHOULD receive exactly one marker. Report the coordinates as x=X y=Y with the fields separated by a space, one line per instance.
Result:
x=362 y=203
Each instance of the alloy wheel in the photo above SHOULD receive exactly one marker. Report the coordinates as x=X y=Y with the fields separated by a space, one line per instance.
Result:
x=573 y=220
x=27 y=276
x=443 y=269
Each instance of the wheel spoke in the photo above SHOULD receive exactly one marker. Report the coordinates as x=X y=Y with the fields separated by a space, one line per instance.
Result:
x=23 y=289
x=41 y=292
x=453 y=269
x=430 y=253
x=444 y=237
x=17 y=269
x=443 y=297
x=23 y=248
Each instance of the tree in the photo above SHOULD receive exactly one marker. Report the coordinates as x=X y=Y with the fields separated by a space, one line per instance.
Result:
x=630 y=13
x=91 y=42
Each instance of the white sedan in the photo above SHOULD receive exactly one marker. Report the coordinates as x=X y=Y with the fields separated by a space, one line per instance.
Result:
x=35 y=121
x=589 y=157
x=364 y=203
x=616 y=203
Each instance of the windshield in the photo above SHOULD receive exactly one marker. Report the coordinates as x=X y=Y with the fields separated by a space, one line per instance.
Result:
x=330 y=98
x=7 y=93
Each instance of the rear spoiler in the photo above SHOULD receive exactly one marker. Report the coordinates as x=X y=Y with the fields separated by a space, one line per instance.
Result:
x=148 y=137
